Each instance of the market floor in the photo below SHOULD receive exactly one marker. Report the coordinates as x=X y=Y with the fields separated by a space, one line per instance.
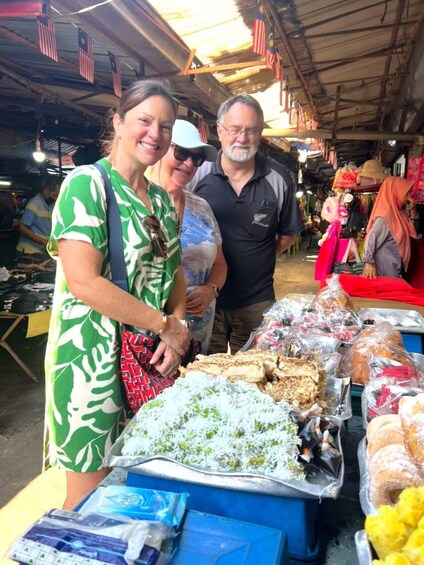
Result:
x=25 y=493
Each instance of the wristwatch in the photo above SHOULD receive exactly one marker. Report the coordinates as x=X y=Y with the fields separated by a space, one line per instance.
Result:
x=216 y=288
x=163 y=324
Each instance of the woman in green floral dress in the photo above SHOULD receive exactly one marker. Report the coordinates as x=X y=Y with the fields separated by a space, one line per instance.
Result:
x=84 y=410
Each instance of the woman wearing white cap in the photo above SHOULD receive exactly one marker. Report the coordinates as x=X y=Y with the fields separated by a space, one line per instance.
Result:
x=205 y=269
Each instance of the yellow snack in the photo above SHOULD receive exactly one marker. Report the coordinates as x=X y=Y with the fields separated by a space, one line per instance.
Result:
x=385 y=531
x=393 y=559
x=410 y=507
x=414 y=548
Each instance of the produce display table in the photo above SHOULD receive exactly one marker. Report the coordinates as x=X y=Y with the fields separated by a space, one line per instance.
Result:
x=38 y=324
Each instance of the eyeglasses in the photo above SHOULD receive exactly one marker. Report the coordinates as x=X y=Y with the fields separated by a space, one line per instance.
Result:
x=182 y=154
x=235 y=132
x=158 y=245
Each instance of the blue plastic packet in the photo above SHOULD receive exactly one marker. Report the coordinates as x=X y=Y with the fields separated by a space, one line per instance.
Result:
x=138 y=503
x=68 y=537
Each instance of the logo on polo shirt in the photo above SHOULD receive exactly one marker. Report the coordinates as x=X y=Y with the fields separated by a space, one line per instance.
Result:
x=257 y=219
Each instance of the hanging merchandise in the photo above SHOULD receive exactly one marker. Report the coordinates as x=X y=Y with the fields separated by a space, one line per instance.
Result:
x=415 y=172
x=346 y=177
x=371 y=175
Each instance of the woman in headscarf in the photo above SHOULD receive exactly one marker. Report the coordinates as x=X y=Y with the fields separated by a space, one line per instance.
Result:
x=387 y=247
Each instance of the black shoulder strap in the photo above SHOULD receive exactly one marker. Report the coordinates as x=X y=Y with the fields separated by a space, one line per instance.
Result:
x=114 y=233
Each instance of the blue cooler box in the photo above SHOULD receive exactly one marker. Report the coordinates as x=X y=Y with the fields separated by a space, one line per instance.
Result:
x=294 y=517
x=413 y=342
x=214 y=540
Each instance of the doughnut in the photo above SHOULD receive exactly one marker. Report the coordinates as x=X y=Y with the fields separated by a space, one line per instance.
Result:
x=410 y=406
x=379 y=422
x=386 y=435
x=386 y=454
x=411 y=412
x=414 y=440
x=389 y=479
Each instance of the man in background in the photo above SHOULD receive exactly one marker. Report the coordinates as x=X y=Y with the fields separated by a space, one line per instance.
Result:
x=36 y=223
x=254 y=202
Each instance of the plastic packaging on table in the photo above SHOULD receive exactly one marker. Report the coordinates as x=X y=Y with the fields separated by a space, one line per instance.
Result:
x=318 y=449
x=332 y=297
x=340 y=323
x=295 y=342
x=379 y=341
x=388 y=383
x=289 y=308
x=138 y=503
x=92 y=539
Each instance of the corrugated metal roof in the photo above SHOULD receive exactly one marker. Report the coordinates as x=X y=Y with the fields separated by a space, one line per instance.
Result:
x=347 y=62
x=352 y=65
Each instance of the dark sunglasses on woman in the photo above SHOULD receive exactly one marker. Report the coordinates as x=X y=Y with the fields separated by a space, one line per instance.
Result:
x=182 y=154
x=157 y=245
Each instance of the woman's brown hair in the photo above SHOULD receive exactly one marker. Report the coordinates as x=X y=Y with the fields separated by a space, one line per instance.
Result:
x=136 y=93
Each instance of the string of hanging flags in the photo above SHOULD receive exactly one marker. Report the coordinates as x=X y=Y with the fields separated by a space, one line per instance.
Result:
x=40 y=10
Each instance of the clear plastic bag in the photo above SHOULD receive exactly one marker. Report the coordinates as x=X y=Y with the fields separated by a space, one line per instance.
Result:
x=379 y=341
x=389 y=382
x=332 y=297
x=92 y=539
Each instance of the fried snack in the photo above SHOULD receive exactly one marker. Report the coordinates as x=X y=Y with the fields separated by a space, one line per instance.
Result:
x=410 y=507
x=299 y=368
x=385 y=531
x=414 y=547
x=251 y=372
x=283 y=378
x=391 y=434
x=378 y=423
x=381 y=340
x=391 y=470
x=269 y=358
x=411 y=412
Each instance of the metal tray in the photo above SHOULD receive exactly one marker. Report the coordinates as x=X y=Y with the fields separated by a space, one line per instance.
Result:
x=364 y=483
x=409 y=321
x=364 y=550
x=319 y=486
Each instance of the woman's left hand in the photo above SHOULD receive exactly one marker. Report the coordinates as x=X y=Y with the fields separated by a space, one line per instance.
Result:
x=166 y=360
x=198 y=299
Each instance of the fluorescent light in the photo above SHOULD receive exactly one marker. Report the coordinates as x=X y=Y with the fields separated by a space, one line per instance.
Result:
x=5 y=183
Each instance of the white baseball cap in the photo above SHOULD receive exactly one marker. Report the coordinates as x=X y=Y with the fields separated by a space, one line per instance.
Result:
x=186 y=135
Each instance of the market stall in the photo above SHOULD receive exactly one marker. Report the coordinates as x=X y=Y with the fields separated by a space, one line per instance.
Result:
x=256 y=439
x=26 y=294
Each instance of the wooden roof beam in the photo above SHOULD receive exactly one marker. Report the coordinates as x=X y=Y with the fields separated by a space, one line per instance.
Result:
x=361 y=135
x=293 y=57
x=344 y=32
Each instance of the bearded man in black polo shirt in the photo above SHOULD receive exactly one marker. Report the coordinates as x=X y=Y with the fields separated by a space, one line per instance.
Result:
x=254 y=202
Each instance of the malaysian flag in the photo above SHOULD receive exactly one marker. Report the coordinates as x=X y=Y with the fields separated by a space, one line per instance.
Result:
x=287 y=100
x=46 y=34
x=259 y=30
x=281 y=80
x=271 y=55
x=85 y=55
x=203 y=128
x=115 y=63
x=21 y=8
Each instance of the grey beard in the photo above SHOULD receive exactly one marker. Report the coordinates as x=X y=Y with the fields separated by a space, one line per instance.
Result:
x=241 y=156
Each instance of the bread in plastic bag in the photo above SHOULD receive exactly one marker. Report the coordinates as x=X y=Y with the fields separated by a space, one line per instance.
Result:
x=381 y=340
